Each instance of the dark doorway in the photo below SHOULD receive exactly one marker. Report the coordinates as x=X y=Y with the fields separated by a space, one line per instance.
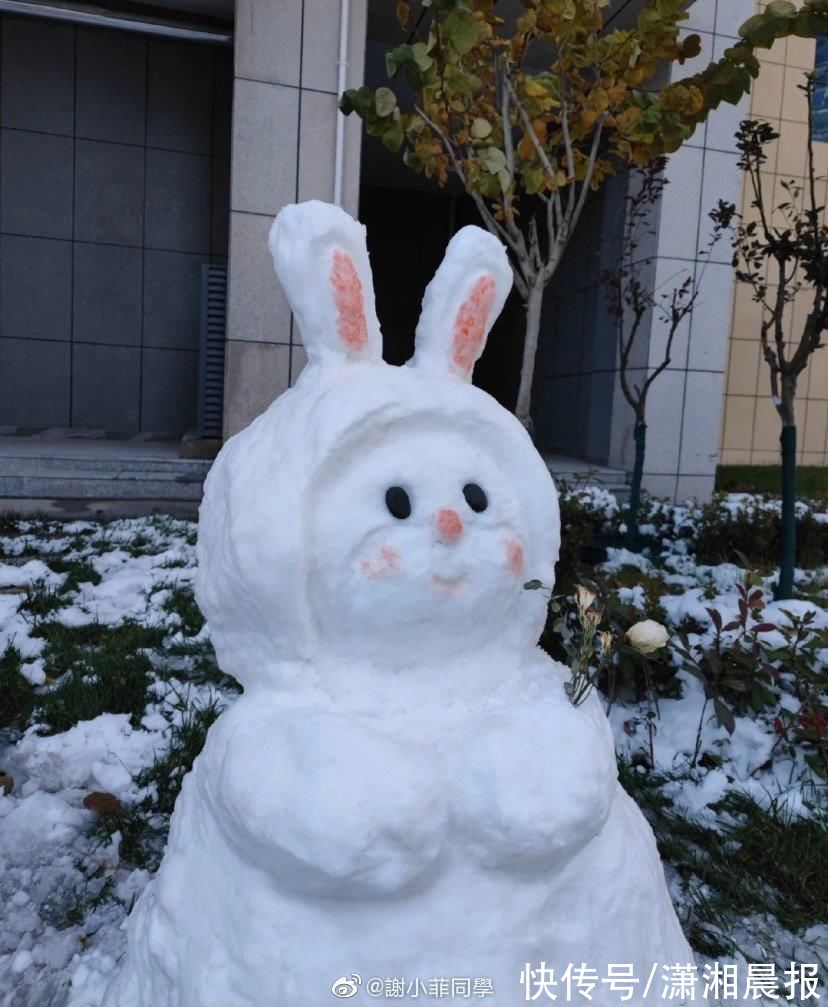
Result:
x=408 y=231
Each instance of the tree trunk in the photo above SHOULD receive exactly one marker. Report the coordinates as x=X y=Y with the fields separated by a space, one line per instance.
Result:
x=530 y=348
x=640 y=436
x=787 y=531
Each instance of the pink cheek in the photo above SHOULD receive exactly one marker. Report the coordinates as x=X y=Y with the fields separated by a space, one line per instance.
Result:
x=386 y=563
x=390 y=557
x=514 y=556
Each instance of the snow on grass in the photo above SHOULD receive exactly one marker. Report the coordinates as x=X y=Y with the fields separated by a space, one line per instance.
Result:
x=108 y=684
x=93 y=616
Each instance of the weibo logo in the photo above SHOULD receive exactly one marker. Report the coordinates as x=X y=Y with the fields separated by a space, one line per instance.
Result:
x=346 y=986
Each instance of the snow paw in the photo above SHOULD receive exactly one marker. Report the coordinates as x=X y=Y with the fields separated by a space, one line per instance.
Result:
x=326 y=804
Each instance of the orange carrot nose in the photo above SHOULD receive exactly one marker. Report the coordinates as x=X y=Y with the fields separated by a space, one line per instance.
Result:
x=449 y=526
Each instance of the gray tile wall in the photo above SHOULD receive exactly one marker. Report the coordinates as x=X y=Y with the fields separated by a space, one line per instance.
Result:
x=114 y=189
x=284 y=128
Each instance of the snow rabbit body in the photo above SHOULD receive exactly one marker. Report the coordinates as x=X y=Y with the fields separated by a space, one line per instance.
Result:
x=404 y=790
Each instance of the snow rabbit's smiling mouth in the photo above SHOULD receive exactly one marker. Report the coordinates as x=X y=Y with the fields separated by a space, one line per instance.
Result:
x=448 y=585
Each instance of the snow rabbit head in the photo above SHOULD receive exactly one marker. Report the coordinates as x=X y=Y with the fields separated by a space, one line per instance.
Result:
x=374 y=514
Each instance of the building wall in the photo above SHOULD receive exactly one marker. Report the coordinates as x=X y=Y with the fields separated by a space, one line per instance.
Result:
x=577 y=360
x=750 y=431
x=113 y=191
x=284 y=125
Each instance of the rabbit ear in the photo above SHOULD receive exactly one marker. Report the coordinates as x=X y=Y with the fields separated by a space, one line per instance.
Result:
x=461 y=303
x=322 y=262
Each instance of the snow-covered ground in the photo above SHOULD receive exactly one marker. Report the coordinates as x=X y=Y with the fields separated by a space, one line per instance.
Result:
x=69 y=874
x=64 y=887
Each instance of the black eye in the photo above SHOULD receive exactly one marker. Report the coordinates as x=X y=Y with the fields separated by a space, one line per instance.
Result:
x=475 y=497
x=398 y=502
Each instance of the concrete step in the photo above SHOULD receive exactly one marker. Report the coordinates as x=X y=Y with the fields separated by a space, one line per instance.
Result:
x=86 y=486
x=87 y=470
x=103 y=467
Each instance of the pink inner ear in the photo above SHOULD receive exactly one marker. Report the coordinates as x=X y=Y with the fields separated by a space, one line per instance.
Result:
x=470 y=324
x=347 y=291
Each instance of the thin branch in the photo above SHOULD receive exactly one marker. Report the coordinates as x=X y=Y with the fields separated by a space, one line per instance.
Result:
x=510 y=234
x=520 y=282
x=570 y=159
x=492 y=223
x=756 y=182
x=590 y=168
x=778 y=315
x=678 y=312
x=551 y=224
x=530 y=129
x=508 y=141
x=534 y=246
x=813 y=212
x=631 y=395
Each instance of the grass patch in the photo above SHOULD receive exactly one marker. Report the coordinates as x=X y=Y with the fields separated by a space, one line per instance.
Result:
x=17 y=696
x=9 y=524
x=139 y=545
x=762 y=861
x=100 y=669
x=811 y=480
x=40 y=601
x=181 y=602
x=78 y=571
x=64 y=644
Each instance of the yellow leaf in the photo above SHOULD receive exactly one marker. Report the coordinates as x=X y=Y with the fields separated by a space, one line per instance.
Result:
x=525 y=148
x=539 y=126
x=600 y=99
x=533 y=89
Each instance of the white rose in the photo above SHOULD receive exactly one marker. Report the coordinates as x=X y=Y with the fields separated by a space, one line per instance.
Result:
x=647 y=636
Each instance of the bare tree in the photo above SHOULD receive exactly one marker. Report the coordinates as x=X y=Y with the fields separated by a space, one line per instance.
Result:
x=634 y=300
x=782 y=253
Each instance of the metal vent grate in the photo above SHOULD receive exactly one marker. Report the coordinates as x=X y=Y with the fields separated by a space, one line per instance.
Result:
x=211 y=350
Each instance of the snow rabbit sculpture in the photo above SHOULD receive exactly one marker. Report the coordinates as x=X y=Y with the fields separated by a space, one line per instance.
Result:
x=404 y=790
